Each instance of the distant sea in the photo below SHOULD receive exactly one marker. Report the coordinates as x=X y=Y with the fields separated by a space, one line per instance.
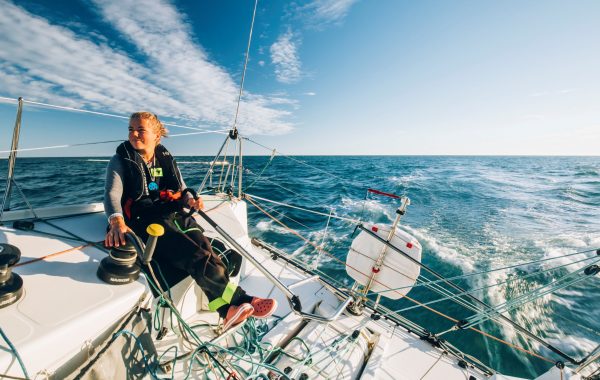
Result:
x=469 y=213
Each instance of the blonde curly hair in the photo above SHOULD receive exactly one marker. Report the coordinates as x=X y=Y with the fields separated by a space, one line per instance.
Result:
x=159 y=128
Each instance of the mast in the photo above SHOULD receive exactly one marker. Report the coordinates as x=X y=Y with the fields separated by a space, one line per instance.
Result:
x=12 y=158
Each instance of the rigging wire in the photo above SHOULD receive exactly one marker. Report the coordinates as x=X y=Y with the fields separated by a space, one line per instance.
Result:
x=261 y=172
x=292 y=158
x=334 y=216
x=530 y=296
x=101 y=142
x=237 y=109
x=537 y=273
x=405 y=296
x=47 y=105
x=461 y=277
x=458 y=277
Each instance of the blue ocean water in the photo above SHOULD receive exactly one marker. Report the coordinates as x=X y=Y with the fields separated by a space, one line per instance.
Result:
x=469 y=213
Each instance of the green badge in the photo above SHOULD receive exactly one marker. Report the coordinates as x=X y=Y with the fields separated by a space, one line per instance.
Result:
x=156 y=172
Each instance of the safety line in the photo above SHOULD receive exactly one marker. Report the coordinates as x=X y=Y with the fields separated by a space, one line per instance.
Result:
x=334 y=216
x=487 y=286
x=293 y=159
x=100 y=142
x=405 y=296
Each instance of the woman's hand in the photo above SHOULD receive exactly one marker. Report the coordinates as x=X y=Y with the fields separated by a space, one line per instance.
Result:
x=196 y=204
x=116 y=234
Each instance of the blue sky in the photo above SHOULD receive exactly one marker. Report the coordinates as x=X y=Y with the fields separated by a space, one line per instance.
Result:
x=324 y=76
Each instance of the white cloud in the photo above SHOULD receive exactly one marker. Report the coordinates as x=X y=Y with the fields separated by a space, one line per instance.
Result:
x=50 y=63
x=284 y=55
x=311 y=93
x=321 y=13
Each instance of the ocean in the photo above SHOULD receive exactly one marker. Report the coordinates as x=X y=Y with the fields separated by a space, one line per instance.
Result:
x=471 y=214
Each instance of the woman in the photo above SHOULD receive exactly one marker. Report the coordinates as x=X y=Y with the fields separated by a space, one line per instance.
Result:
x=143 y=186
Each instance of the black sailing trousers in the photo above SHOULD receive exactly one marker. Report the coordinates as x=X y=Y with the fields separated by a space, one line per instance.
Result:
x=184 y=250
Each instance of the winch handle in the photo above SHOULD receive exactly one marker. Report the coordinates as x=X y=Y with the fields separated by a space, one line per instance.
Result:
x=146 y=251
x=194 y=195
x=154 y=231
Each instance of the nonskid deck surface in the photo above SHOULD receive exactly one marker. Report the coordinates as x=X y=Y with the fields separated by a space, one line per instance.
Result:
x=65 y=302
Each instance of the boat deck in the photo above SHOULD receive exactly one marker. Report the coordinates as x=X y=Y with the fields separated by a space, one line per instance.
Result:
x=65 y=302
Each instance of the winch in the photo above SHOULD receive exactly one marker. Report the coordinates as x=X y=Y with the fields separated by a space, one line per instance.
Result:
x=11 y=284
x=122 y=265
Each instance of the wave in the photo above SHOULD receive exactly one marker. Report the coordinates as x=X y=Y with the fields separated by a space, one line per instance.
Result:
x=448 y=254
x=369 y=210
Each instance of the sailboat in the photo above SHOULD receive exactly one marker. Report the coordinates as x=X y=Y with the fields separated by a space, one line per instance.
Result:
x=72 y=309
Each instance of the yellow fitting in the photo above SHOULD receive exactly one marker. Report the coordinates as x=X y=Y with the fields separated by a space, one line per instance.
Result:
x=155 y=229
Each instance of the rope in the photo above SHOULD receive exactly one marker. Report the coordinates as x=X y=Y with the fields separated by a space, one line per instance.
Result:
x=90 y=112
x=15 y=352
x=294 y=159
x=261 y=172
x=99 y=142
x=55 y=254
x=512 y=345
x=488 y=286
x=297 y=195
x=233 y=162
x=223 y=163
x=405 y=296
x=460 y=277
x=529 y=296
x=316 y=262
x=507 y=281
x=433 y=365
x=334 y=216
x=450 y=278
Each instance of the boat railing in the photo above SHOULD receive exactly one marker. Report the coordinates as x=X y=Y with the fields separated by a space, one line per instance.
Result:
x=293 y=299
x=449 y=290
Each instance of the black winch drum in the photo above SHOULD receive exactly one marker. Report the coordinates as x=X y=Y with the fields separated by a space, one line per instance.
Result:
x=11 y=284
x=120 y=266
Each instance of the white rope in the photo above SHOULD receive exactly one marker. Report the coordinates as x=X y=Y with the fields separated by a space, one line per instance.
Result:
x=9 y=100
x=305 y=209
x=97 y=143
x=296 y=194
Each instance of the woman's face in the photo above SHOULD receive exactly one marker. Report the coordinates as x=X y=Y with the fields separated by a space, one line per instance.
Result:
x=142 y=135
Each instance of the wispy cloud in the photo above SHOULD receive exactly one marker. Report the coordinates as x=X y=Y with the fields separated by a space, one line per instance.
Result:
x=284 y=55
x=321 y=13
x=316 y=14
x=51 y=63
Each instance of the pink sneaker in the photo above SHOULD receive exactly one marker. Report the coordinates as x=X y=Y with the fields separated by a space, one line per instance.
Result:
x=263 y=307
x=237 y=315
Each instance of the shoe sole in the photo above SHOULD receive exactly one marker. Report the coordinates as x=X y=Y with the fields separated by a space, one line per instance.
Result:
x=242 y=313
x=273 y=308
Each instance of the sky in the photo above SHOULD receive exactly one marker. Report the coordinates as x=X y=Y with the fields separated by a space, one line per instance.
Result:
x=335 y=77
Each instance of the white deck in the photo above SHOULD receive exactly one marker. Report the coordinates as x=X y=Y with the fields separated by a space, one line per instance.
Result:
x=66 y=309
